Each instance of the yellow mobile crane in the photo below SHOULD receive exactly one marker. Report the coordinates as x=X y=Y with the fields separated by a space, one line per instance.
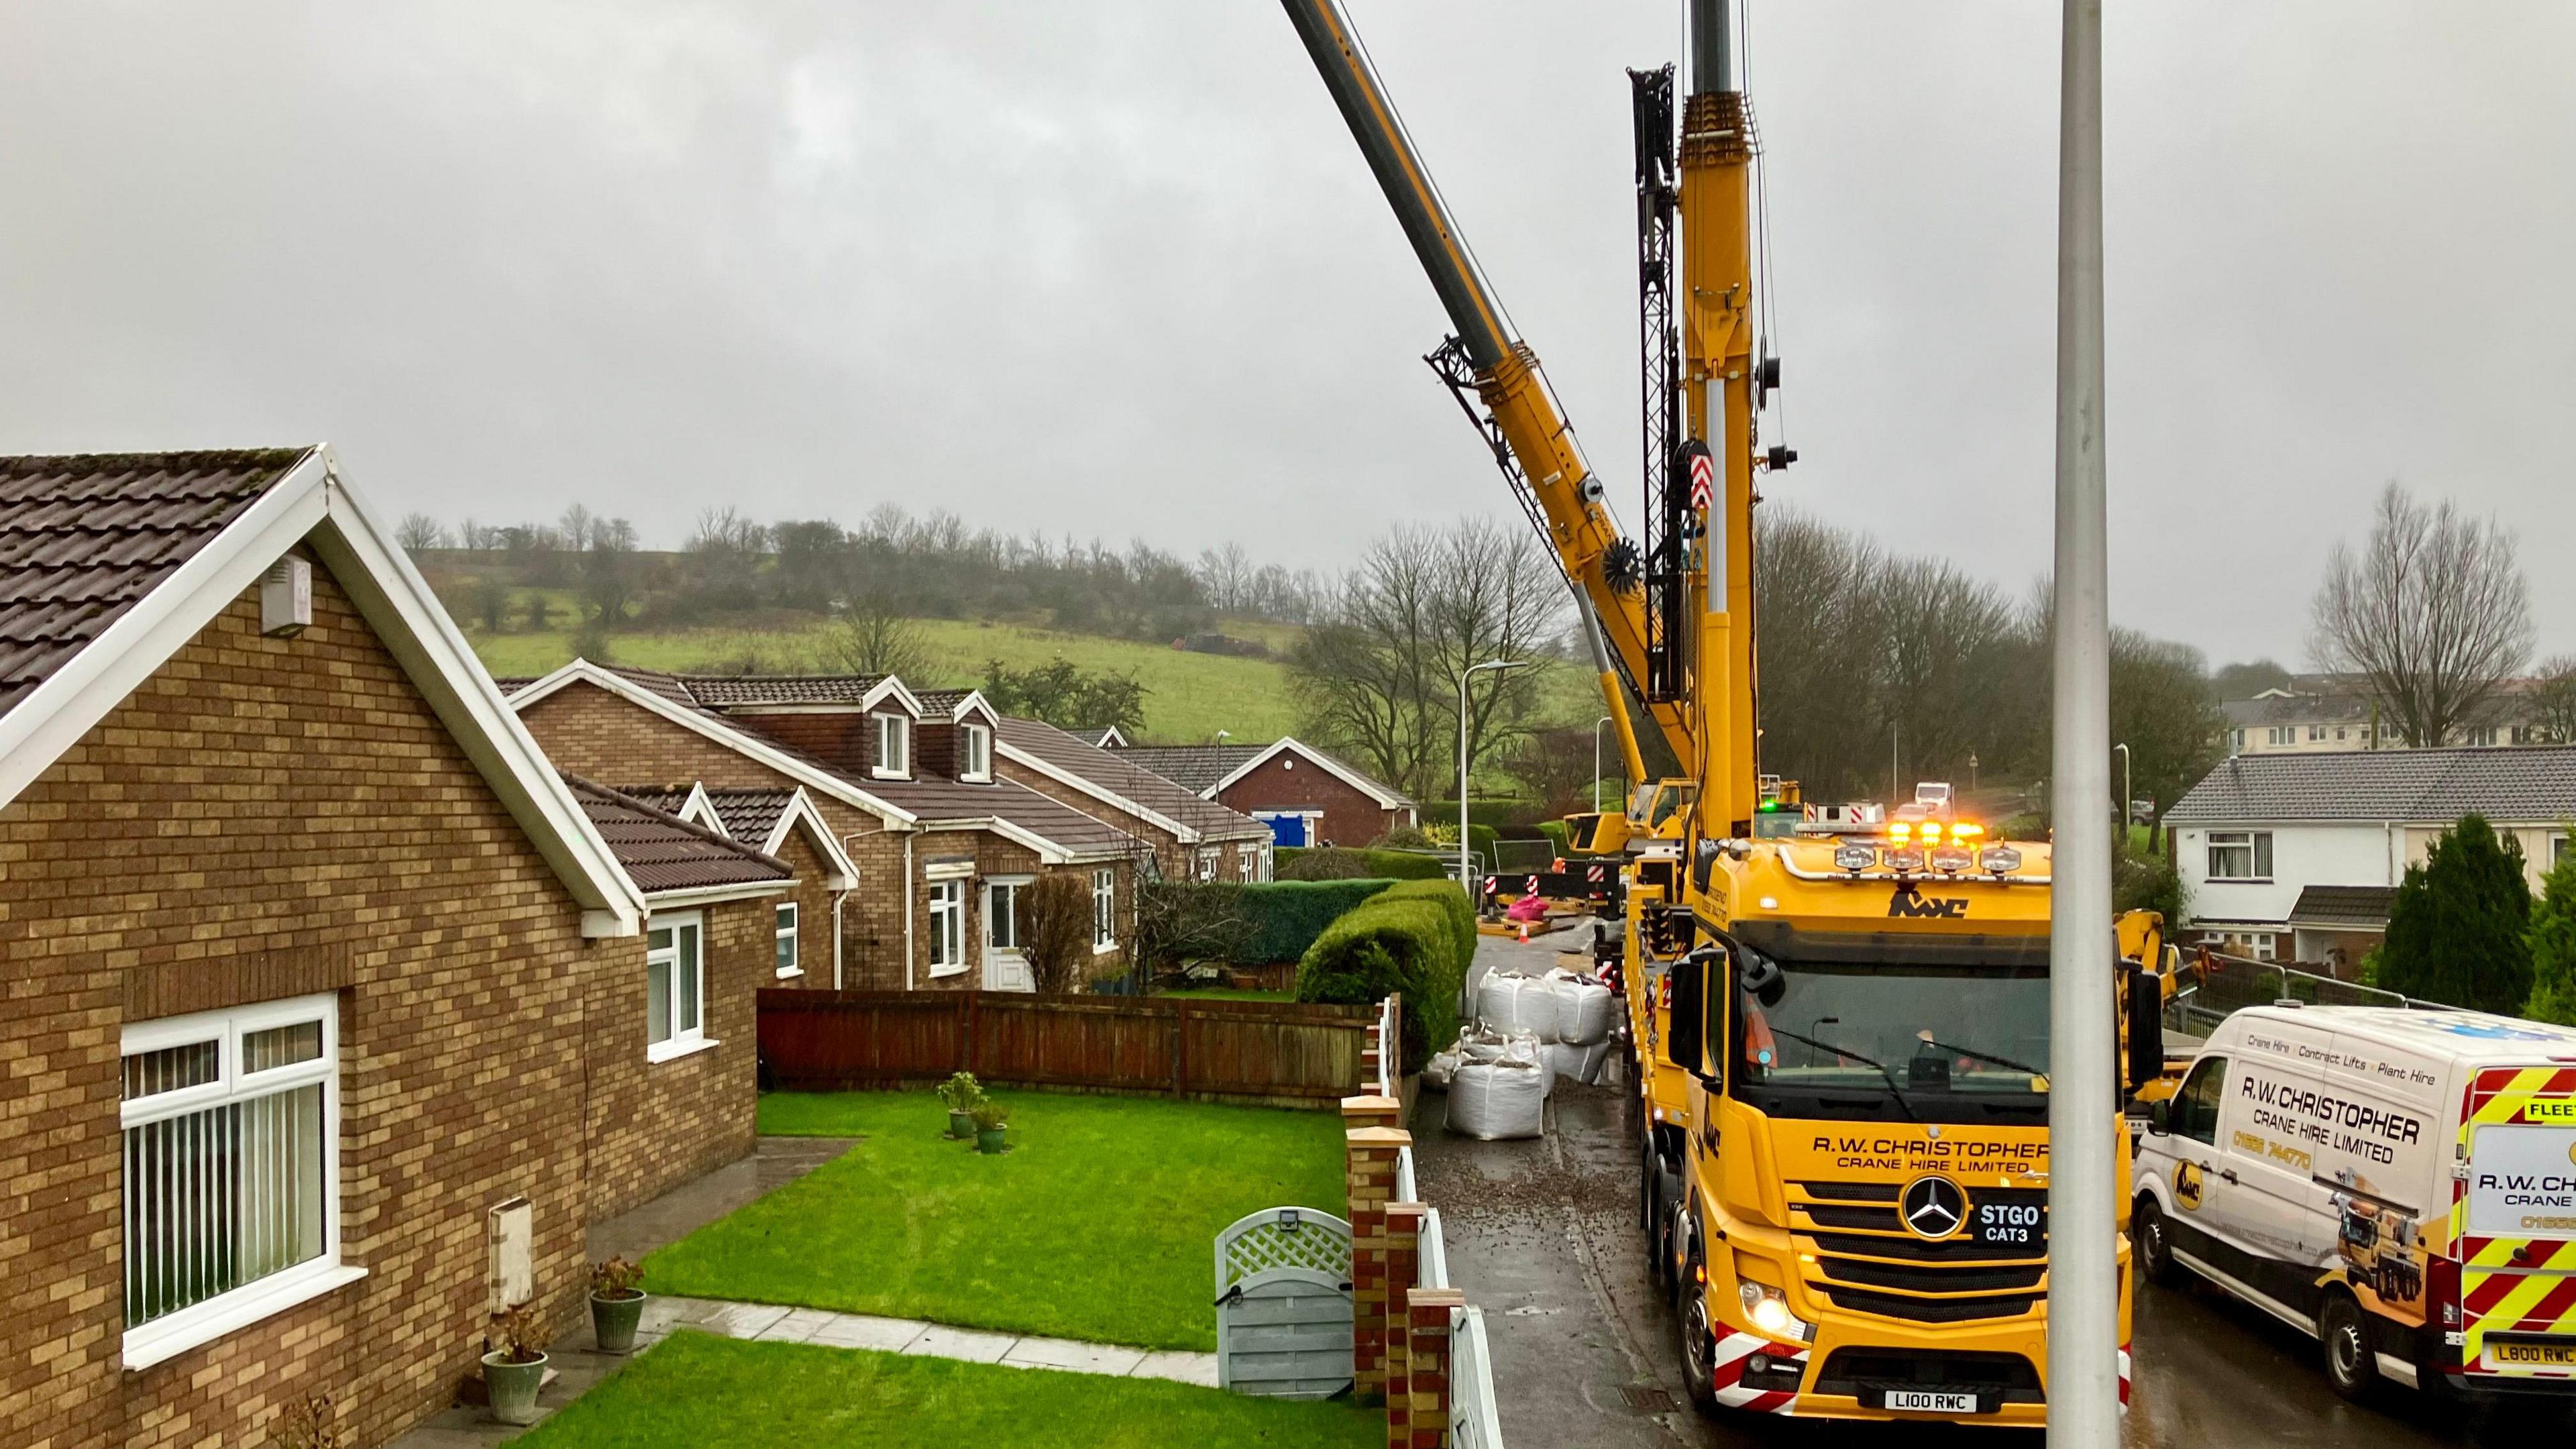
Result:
x=1849 y=1071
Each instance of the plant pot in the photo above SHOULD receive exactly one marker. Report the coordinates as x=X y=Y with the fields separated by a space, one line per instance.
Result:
x=989 y=1139
x=513 y=1387
x=613 y=1320
x=960 y=1126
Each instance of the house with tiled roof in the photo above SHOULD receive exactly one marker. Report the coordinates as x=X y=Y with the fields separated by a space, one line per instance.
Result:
x=283 y=882
x=783 y=823
x=1306 y=795
x=2296 y=855
x=1194 y=837
x=941 y=840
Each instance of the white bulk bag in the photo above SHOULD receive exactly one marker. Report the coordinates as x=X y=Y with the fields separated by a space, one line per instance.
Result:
x=1582 y=1009
x=1507 y=1001
x=1491 y=1101
x=1442 y=1066
x=1478 y=1045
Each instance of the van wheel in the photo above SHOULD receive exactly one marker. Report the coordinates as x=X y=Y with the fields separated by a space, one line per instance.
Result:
x=2345 y=1332
x=2154 y=1240
x=1699 y=1343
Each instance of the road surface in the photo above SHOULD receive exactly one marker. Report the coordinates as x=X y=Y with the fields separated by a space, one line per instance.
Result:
x=1543 y=1235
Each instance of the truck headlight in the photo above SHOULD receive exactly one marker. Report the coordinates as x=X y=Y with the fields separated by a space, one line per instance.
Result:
x=1999 y=859
x=1767 y=1309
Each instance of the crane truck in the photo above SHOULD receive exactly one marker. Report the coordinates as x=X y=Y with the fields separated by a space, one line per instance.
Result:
x=1846 y=1035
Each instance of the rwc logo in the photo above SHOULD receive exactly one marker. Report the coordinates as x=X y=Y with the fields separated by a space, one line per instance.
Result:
x=1906 y=903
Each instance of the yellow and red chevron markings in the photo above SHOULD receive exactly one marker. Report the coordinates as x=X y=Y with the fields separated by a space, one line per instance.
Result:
x=2510 y=1285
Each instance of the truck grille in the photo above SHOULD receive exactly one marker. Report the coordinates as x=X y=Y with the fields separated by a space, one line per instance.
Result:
x=1857 y=1372
x=1866 y=1262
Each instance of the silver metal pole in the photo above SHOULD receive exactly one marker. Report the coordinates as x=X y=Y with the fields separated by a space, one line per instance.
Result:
x=1596 y=761
x=2083 y=1239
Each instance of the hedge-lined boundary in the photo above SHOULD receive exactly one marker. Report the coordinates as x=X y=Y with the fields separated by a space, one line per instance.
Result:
x=1415 y=937
x=1283 y=918
x=1337 y=862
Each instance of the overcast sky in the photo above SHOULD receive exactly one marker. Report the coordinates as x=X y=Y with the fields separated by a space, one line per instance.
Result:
x=1116 y=268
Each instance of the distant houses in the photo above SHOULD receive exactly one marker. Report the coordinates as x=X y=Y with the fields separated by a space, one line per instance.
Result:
x=1305 y=795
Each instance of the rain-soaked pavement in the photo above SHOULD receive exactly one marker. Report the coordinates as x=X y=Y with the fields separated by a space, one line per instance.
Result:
x=1542 y=1234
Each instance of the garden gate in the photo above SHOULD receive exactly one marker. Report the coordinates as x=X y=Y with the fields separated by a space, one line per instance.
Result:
x=1283 y=1306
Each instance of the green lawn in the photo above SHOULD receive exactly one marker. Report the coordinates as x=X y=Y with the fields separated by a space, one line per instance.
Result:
x=1098 y=1225
x=698 y=1391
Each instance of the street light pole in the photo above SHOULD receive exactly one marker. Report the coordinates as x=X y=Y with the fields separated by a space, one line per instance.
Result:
x=2084 y=1136
x=1596 y=761
x=1466 y=870
x=2128 y=792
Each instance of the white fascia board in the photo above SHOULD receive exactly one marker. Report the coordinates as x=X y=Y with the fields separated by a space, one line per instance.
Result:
x=398 y=603
x=890 y=685
x=1385 y=799
x=700 y=811
x=57 y=713
x=976 y=703
x=844 y=872
x=673 y=900
x=1092 y=788
x=822 y=782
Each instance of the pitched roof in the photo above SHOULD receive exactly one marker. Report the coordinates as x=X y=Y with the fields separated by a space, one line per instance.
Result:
x=750 y=814
x=84 y=538
x=2354 y=907
x=1113 y=773
x=718 y=690
x=2531 y=784
x=1197 y=767
x=661 y=852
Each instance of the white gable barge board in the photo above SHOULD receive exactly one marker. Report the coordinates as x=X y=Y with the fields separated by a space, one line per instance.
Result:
x=310 y=505
x=1383 y=796
x=1092 y=788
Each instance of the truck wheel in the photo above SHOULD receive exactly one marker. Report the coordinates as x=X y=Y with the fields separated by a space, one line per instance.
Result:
x=1698 y=1342
x=2345 y=1332
x=2155 y=1244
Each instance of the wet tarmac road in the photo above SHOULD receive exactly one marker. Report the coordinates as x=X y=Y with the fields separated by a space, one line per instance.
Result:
x=1543 y=1235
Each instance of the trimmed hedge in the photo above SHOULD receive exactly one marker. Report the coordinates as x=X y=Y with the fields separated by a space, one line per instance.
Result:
x=1286 y=916
x=1338 y=862
x=1415 y=937
x=1481 y=812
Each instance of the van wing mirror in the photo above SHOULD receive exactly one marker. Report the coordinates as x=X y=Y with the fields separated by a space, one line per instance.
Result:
x=2160 y=1117
x=1685 y=1030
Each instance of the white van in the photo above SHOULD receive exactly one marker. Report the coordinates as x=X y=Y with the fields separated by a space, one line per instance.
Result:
x=2399 y=1184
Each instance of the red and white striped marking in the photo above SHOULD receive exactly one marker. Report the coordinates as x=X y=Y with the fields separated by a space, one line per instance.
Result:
x=1726 y=1371
x=1703 y=478
x=2124 y=1378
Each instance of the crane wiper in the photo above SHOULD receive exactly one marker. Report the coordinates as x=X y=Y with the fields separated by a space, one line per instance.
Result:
x=1893 y=1089
x=2007 y=1063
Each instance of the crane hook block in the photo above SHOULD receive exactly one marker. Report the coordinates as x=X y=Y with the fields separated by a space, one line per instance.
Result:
x=1780 y=456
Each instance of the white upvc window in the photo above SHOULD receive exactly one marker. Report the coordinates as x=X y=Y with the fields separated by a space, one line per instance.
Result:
x=1247 y=862
x=2282 y=735
x=1002 y=914
x=894 y=747
x=975 y=753
x=789 y=961
x=947 y=927
x=1104 y=911
x=231 y=1124
x=2240 y=855
x=1207 y=863
x=675 y=986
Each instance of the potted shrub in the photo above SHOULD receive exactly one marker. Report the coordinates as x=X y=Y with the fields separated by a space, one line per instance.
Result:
x=963 y=1094
x=616 y=1304
x=991 y=1118
x=516 y=1367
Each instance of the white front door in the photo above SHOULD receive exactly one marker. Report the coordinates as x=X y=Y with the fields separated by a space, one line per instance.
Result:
x=1005 y=969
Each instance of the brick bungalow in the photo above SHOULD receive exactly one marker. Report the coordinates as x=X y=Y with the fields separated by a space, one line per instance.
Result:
x=939 y=839
x=784 y=824
x=1305 y=796
x=303 y=942
x=1193 y=838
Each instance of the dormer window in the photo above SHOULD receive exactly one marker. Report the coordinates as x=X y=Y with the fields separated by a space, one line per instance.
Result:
x=975 y=753
x=894 y=747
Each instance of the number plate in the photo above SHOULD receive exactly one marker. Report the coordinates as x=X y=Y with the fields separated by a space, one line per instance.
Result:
x=1919 y=1401
x=2532 y=1355
x=2010 y=1225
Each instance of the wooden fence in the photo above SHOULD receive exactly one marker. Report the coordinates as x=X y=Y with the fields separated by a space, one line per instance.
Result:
x=1159 y=1045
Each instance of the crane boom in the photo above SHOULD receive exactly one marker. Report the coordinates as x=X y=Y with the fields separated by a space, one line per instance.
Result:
x=1522 y=416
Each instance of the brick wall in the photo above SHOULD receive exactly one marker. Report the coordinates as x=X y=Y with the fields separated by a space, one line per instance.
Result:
x=266 y=817
x=813 y=901
x=1289 y=781
x=654 y=1125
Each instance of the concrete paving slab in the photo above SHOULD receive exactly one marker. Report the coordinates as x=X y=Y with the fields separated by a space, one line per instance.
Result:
x=660 y=1314
x=858 y=1330
x=742 y=1320
x=1185 y=1368
x=797 y=1327
x=1081 y=1358
x=973 y=1346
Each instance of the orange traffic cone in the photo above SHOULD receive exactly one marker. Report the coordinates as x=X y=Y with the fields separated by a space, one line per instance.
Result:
x=1524 y=933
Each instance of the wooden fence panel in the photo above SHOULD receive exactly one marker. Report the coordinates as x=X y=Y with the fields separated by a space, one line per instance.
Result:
x=1162 y=1046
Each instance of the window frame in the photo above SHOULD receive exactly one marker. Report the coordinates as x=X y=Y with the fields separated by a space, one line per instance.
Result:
x=1208 y=859
x=694 y=1039
x=2257 y=846
x=1247 y=861
x=975 y=742
x=954 y=937
x=1008 y=886
x=208 y=1319
x=1104 y=910
x=893 y=728
x=2214 y=1068
x=786 y=922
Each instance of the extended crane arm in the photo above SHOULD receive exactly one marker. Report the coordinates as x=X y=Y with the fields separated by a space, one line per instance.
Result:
x=1507 y=375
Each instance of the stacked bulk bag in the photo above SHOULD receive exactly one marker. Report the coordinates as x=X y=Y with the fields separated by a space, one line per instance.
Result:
x=1508 y=1002
x=1503 y=1096
x=1583 y=1009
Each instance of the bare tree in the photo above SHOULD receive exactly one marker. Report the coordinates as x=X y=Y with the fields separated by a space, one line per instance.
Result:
x=2432 y=610
x=578 y=527
x=873 y=637
x=2553 y=700
x=1054 y=921
x=1226 y=574
x=419 y=531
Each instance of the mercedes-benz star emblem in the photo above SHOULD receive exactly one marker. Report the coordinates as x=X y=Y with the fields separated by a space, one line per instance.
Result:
x=1933 y=1207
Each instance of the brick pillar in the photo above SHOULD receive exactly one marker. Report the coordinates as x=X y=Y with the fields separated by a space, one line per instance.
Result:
x=1403 y=1269
x=1369 y=1155
x=1371 y=1111
x=1426 y=1314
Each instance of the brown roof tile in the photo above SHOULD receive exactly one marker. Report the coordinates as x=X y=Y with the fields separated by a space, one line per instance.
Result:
x=1129 y=780
x=662 y=852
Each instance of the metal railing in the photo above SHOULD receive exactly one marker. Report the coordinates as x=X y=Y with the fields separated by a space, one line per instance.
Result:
x=2229 y=984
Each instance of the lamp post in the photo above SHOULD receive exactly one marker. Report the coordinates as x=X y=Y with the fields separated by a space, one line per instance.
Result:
x=1466 y=869
x=2127 y=791
x=1596 y=762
